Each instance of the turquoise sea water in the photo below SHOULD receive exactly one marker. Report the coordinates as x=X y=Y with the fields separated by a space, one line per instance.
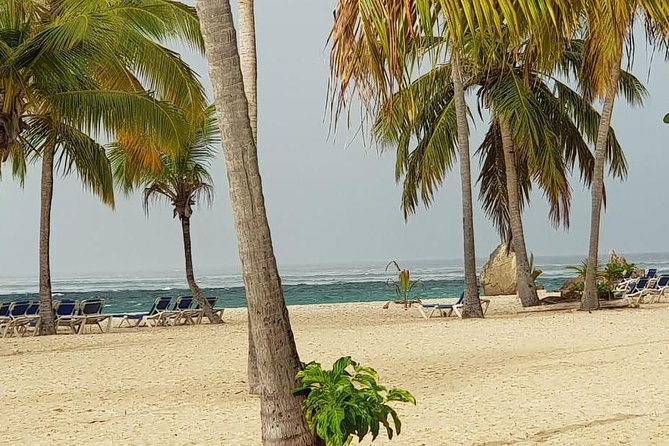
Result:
x=303 y=285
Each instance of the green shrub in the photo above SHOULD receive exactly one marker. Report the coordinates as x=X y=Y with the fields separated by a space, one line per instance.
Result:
x=615 y=272
x=347 y=401
x=604 y=284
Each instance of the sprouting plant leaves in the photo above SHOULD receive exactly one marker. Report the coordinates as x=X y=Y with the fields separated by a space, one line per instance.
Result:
x=348 y=402
x=404 y=285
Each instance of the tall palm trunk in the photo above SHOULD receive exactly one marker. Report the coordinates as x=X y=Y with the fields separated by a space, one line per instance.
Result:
x=190 y=274
x=249 y=66
x=282 y=420
x=47 y=326
x=472 y=303
x=249 y=60
x=527 y=290
x=590 y=298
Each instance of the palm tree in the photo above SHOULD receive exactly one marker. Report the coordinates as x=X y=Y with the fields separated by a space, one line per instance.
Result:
x=249 y=66
x=62 y=82
x=282 y=419
x=472 y=304
x=376 y=45
x=181 y=177
x=547 y=128
x=609 y=24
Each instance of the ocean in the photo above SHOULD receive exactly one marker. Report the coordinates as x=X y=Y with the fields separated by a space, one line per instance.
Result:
x=303 y=285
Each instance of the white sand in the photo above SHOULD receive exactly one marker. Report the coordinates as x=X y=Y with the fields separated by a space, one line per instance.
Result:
x=550 y=378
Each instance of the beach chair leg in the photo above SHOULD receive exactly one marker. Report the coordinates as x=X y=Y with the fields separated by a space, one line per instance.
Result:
x=457 y=308
x=422 y=312
x=82 y=326
x=38 y=326
x=109 y=324
x=485 y=304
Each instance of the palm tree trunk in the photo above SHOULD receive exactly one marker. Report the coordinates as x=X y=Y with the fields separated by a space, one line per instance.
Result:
x=472 y=303
x=527 y=290
x=249 y=66
x=590 y=298
x=47 y=326
x=282 y=420
x=252 y=362
x=190 y=274
x=249 y=60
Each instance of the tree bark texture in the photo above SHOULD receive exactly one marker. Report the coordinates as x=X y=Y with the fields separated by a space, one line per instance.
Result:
x=282 y=420
x=472 y=303
x=527 y=291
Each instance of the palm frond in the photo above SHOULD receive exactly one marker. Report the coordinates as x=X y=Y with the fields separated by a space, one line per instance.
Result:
x=119 y=111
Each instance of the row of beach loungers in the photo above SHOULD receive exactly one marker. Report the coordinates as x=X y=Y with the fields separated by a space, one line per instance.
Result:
x=650 y=288
x=23 y=318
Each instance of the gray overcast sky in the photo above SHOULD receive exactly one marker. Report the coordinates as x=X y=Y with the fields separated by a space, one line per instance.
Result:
x=329 y=201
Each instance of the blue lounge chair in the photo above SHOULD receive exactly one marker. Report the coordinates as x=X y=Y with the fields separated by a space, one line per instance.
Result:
x=4 y=314
x=650 y=273
x=64 y=312
x=21 y=316
x=658 y=290
x=181 y=313
x=4 y=310
x=90 y=313
x=212 y=302
x=446 y=310
x=636 y=291
x=160 y=305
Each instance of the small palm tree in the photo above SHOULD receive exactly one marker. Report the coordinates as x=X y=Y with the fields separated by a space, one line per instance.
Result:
x=180 y=177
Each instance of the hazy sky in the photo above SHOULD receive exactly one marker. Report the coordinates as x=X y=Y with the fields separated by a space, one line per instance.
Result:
x=329 y=200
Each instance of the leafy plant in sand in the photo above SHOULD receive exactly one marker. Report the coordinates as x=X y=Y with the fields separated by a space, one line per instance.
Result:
x=348 y=402
x=403 y=286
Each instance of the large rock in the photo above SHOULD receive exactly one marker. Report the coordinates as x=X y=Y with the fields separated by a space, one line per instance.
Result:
x=498 y=276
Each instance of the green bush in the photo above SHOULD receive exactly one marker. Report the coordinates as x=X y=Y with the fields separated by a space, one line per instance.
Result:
x=615 y=272
x=347 y=401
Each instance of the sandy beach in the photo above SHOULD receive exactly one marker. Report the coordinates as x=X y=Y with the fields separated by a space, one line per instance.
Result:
x=550 y=378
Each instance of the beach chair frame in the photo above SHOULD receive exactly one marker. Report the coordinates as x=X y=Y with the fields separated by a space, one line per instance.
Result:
x=181 y=311
x=447 y=310
x=160 y=305
x=65 y=320
x=212 y=302
x=80 y=321
x=20 y=320
x=637 y=291
x=659 y=290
